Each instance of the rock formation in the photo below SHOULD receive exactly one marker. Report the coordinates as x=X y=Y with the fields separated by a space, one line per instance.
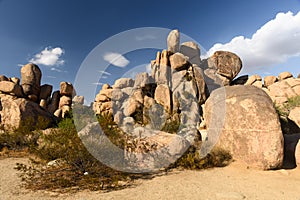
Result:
x=243 y=120
x=170 y=99
x=184 y=101
x=181 y=96
x=32 y=102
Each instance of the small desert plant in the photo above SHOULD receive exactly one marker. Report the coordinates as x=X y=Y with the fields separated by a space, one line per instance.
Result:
x=75 y=168
x=288 y=126
x=192 y=160
x=286 y=107
x=171 y=126
x=23 y=137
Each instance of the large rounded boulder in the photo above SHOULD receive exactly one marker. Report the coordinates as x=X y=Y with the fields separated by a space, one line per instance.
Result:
x=242 y=120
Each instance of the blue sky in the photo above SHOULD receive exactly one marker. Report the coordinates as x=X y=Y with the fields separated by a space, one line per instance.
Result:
x=59 y=35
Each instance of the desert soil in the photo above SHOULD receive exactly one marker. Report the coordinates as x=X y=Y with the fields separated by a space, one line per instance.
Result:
x=235 y=181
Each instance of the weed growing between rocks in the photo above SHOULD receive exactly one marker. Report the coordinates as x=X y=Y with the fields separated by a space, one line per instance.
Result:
x=285 y=109
x=288 y=126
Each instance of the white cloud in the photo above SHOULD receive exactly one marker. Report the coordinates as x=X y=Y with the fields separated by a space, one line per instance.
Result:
x=49 y=57
x=98 y=83
x=105 y=73
x=116 y=59
x=55 y=69
x=274 y=43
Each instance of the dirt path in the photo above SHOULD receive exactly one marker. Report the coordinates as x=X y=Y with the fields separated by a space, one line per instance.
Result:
x=232 y=182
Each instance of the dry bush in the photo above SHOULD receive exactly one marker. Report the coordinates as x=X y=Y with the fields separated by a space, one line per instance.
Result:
x=73 y=168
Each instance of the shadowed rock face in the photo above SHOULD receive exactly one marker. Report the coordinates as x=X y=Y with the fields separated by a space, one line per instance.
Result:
x=250 y=130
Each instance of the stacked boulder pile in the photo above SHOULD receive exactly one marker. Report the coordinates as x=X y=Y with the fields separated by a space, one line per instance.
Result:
x=280 y=88
x=29 y=100
x=186 y=96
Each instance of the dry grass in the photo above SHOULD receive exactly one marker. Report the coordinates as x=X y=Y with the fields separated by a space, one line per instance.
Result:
x=75 y=168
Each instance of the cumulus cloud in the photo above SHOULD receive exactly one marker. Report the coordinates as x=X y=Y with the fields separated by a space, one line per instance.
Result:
x=98 y=83
x=55 y=69
x=116 y=59
x=49 y=57
x=274 y=43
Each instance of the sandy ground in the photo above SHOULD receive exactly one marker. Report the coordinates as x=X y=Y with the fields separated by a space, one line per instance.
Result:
x=230 y=183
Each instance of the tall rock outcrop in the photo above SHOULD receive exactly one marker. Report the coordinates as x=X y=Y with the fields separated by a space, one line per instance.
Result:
x=31 y=81
x=172 y=94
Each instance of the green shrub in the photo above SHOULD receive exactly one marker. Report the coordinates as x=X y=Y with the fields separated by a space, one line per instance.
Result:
x=285 y=108
x=192 y=160
x=23 y=137
x=76 y=168
x=288 y=126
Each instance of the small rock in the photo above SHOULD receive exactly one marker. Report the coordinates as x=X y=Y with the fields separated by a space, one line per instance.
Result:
x=258 y=84
x=107 y=92
x=118 y=117
x=173 y=41
x=78 y=100
x=179 y=62
x=65 y=110
x=32 y=97
x=65 y=101
x=15 y=80
x=46 y=91
x=294 y=115
x=53 y=106
x=67 y=89
x=58 y=113
x=163 y=96
x=269 y=80
x=164 y=59
x=31 y=79
x=123 y=83
x=3 y=78
x=226 y=63
x=142 y=79
x=284 y=75
x=252 y=79
x=101 y=98
x=106 y=86
x=11 y=88
x=43 y=103
x=191 y=50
